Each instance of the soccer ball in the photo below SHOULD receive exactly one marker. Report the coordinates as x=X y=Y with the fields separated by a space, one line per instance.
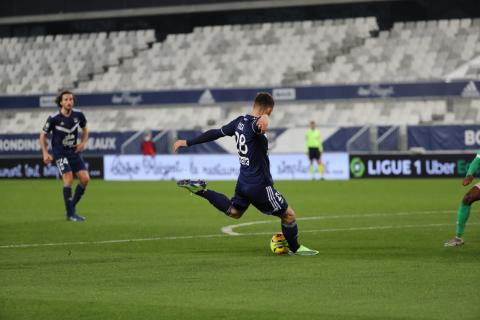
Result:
x=279 y=244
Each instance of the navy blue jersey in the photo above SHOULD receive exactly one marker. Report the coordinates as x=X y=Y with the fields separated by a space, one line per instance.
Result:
x=252 y=147
x=64 y=131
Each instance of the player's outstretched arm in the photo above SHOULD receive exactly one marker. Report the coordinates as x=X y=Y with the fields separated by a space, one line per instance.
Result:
x=207 y=136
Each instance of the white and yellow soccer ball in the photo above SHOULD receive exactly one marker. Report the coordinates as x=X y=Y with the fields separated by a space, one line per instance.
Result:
x=278 y=244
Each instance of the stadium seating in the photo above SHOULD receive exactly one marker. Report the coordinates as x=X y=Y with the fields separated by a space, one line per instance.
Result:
x=46 y=64
x=270 y=54
x=116 y=119
x=409 y=52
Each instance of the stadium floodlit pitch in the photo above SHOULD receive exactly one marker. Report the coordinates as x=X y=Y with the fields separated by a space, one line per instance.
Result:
x=152 y=251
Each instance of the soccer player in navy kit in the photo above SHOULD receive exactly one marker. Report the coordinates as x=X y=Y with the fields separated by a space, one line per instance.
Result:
x=64 y=126
x=254 y=184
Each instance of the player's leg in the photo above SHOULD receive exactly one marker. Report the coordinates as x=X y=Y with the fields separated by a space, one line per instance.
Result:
x=290 y=228
x=79 y=168
x=218 y=200
x=63 y=166
x=290 y=231
x=463 y=214
x=271 y=202
x=67 y=193
x=235 y=213
x=320 y=166
x=83 y=179
x=311 y=157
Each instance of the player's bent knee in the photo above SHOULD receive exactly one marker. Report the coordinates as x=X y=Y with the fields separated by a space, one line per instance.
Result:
x=235 y=213
x=84 y=178
x=289 y=216
x=84 y=181
x=468 y=199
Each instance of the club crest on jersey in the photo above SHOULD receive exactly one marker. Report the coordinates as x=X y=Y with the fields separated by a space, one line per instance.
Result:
x=75 y=120
x=240 y=126
x=62 y=124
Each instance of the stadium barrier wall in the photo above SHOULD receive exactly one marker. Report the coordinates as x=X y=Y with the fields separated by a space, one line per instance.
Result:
x=410 y=166
x=281 y=140
x=209 y=96
x=338 y=166
x=444 y=137
x=216 y=167
x=34 y=168
x=99 y=143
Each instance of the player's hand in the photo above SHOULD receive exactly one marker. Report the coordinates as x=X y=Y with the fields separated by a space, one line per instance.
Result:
x=262 y=123
x=47 y=158
x=179 y=144
x=79 y=147
x=467 y=180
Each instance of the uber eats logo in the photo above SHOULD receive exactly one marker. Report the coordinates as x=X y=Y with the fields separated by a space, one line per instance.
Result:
x=357 y=167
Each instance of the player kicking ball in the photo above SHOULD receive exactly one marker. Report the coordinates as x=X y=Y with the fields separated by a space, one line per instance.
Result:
x=464 y=209
x=254 y=184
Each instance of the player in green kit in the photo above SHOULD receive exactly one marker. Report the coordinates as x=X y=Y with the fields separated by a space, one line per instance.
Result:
x=464 y=210
x=315 y=149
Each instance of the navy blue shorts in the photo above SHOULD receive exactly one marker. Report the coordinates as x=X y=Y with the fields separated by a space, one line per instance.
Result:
x=71 y=162
x=263 y=197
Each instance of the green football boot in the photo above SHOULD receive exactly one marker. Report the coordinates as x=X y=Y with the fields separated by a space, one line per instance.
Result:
x=304 y=251
x=194 y=186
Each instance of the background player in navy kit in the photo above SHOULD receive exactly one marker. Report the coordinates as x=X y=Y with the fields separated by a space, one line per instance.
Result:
x=64 y=126
x=254 y=184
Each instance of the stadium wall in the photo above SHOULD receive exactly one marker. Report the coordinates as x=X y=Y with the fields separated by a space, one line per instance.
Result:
x=437 y=138
x=466 y=89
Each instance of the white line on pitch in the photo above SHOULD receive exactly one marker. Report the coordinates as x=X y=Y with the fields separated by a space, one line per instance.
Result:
x=220 y=236
x=229 y=229
x=407 y=226
x=53 y=244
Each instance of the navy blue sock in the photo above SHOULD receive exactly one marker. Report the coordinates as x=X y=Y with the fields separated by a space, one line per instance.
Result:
x=67 y=197
x=290 y=231
x=79 y=191
x=218 y=200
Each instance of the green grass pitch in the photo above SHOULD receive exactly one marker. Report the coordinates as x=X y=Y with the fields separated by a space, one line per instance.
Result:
x=152 y=251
